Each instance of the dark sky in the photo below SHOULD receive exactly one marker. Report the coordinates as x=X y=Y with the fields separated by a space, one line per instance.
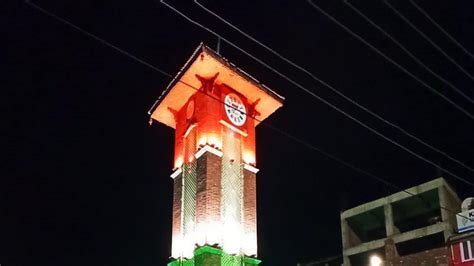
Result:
x=86 y=178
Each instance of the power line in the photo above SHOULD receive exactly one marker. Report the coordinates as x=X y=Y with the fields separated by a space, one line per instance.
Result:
x=417 y=60
x=332 y=88
x=317 y=96
x=422 y=11
x=97 y=38
x=407 y=21
x=145 y=63
x=284 y=133
x=311 y=75
x=389 y=59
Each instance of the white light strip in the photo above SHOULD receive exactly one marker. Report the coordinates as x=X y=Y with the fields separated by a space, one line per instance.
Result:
x=251 y=168
x=190 y=128
x=176 y=173
x=210 y=149
x=233 y=128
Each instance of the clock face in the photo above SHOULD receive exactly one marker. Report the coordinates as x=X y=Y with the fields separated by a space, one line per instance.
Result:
x=235 y=109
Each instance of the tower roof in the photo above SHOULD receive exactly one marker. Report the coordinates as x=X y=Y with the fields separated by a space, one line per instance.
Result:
x=206 y=63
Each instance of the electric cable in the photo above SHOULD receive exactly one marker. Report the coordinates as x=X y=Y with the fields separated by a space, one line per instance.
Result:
x=389 y=59
x=318 y=97
x=416 y=59
x=379 y=117
x=407 y=21
x=422 y=11
x=284 y=133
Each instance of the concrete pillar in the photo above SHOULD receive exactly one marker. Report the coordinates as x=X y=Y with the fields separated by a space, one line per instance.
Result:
x=346 y=261
x=390 y=227
x=390 y=251
x=349 y=238
x=446 y=216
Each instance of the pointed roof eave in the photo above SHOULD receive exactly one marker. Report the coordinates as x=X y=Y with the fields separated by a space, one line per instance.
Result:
x=269 y=94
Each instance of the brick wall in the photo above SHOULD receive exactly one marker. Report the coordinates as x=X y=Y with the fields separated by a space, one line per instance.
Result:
x=250 y=212
x=176 y=234
x=208 y=190
x=433 y=257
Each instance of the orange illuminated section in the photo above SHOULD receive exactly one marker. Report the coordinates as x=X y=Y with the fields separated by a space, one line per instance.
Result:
x=206 y=63
x=214 y=108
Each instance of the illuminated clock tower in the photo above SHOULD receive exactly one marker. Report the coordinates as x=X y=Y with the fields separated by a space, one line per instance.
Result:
x=214 y=108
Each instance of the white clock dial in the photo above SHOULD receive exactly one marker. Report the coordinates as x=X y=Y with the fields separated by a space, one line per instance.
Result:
x=235 y=109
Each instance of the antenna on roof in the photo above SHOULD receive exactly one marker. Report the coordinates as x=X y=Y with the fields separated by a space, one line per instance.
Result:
x=218 y=50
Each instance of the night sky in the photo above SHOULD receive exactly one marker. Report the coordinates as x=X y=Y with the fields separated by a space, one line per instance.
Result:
x=86 y=179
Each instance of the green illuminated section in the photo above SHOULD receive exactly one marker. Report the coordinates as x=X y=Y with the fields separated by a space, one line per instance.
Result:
x=210 y=256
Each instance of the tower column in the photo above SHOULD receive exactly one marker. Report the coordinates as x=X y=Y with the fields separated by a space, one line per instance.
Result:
x=208 y=196
x=215 y=196
x=177 y=234
x=250 y=210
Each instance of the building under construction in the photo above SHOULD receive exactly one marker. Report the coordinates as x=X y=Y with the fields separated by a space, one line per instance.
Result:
x=410 y=227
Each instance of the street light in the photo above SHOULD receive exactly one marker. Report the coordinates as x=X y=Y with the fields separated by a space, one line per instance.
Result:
x=375 y=261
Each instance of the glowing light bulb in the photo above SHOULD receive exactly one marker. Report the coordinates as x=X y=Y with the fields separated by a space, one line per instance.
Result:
x=375 y=261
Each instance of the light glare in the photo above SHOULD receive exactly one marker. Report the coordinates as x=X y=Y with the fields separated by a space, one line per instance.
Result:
x=375 y=261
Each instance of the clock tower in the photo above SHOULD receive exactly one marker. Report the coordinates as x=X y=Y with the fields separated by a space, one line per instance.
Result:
x=214 y=108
